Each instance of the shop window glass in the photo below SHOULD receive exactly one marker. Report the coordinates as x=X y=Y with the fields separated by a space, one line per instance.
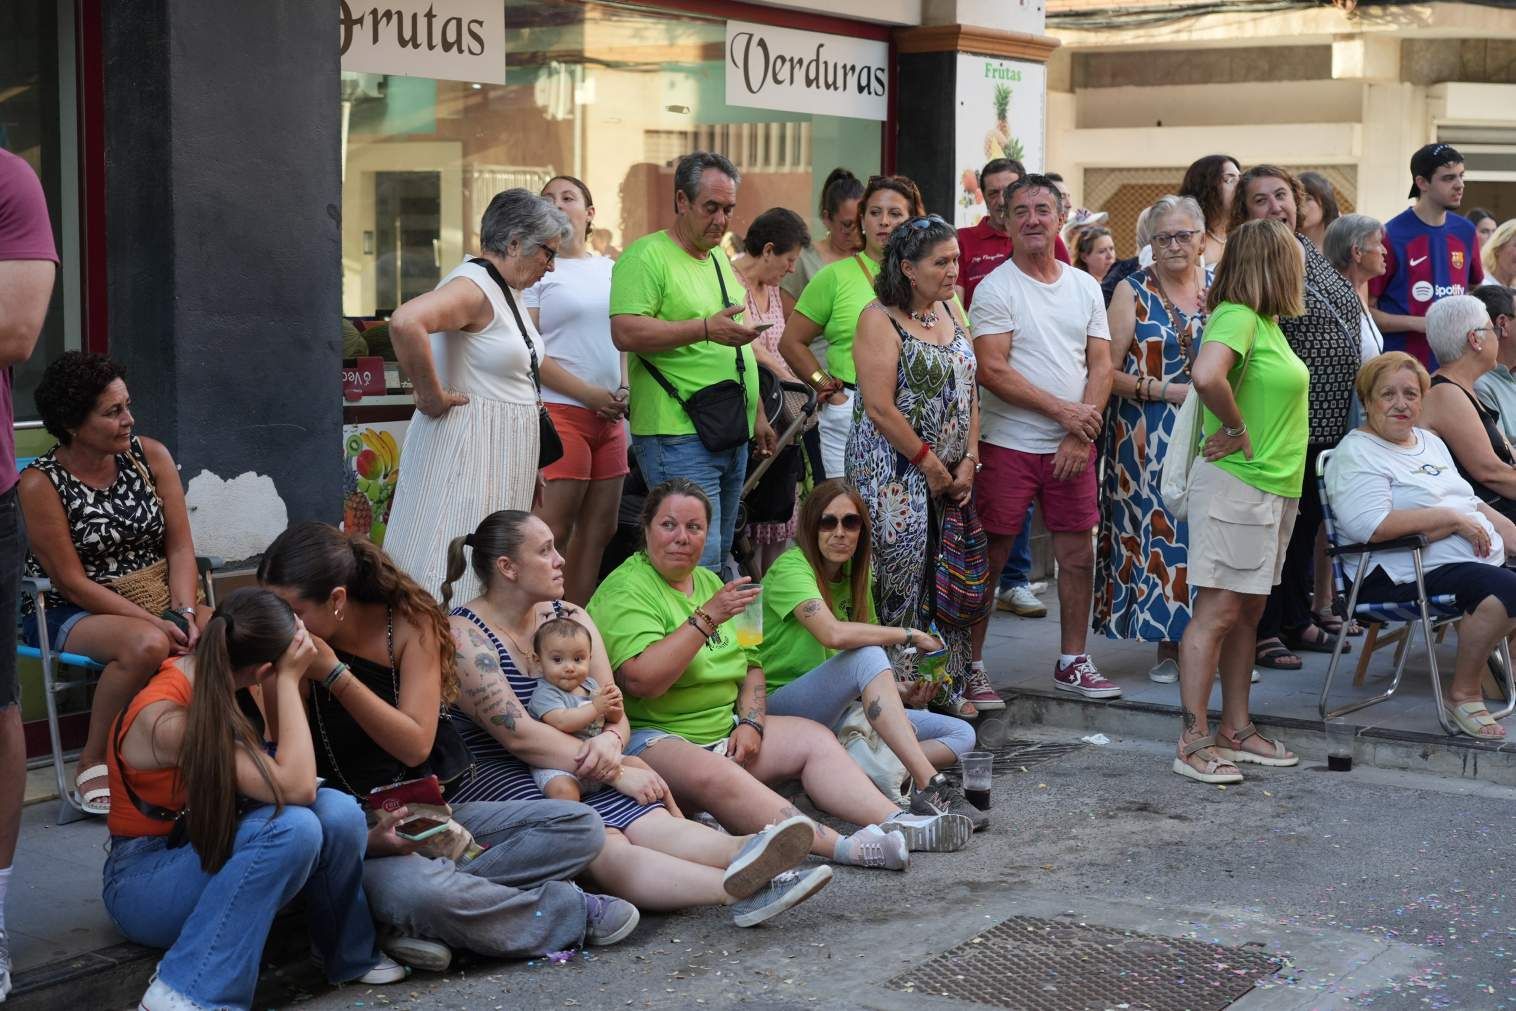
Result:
x=608 y=92
x=36 y=122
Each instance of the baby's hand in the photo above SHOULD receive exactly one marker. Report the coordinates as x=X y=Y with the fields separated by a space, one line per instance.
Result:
x=607 y=699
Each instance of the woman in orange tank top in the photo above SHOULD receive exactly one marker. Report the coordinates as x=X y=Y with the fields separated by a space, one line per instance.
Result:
x=189 y=767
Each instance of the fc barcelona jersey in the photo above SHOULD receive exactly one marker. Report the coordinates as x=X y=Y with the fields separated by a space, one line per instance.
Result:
x=1422 y=264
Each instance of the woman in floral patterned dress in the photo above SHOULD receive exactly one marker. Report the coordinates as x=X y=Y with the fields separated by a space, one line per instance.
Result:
x=1142 y=587
x=915 y=426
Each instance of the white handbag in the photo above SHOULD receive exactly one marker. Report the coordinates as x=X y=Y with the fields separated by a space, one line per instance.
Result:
x=873 y=756
x=1184 y=446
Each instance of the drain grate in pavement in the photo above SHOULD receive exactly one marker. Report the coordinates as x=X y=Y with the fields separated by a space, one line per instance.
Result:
x=1013 y=755
x=1036 y=964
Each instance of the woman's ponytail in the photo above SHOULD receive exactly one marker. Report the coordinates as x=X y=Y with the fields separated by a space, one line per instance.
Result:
x=457 y=565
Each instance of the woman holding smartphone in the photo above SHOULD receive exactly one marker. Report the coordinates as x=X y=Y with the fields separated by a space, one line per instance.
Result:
x=186 y=764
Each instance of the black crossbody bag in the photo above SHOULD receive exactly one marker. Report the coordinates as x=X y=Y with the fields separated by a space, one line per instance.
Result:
x=719 y=411
x=549 y=445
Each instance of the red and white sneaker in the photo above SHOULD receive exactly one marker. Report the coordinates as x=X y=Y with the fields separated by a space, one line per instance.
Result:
x=976 y=688
x=1082 y=677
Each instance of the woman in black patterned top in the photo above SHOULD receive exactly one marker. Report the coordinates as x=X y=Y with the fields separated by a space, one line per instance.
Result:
x=1326 y=339
x=103 y=504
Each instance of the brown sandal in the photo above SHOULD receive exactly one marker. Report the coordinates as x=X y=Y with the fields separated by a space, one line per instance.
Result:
x=1212 y=772
x=1233 y=749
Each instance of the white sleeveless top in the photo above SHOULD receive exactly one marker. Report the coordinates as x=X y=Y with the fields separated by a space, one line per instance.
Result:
x=492 y=363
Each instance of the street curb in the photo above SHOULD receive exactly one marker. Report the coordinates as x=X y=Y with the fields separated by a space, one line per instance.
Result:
x=1374 y=747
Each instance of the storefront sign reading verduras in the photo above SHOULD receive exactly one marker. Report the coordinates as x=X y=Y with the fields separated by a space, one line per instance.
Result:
x=454 y=40
x=795 y=71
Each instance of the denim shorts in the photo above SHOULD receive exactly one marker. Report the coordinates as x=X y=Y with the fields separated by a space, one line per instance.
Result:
x=60 y=622
x=642 y=739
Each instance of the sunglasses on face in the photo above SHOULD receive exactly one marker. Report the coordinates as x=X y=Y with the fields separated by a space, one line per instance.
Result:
x=852 y=523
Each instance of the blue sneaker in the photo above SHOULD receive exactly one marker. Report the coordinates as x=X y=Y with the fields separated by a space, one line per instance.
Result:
x=784 y=892
x=608 y=919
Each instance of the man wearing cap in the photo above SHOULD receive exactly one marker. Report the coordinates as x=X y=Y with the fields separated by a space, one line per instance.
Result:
x=1429 y=253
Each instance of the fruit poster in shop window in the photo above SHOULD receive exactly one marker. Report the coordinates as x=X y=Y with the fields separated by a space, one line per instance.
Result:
x=1000 y=115
x=371 y=466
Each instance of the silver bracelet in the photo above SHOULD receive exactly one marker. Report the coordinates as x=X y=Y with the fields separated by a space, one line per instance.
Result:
x=1235 y=433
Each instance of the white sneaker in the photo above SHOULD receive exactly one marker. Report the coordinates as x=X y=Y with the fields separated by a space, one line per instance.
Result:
x=1166 y=672
x=417 y=952
x=386 y=970
x=872 y=846
x=161 y=997
x=1021 y=601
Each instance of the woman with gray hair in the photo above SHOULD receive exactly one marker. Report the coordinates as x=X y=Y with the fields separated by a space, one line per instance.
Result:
x=1354 y=244
x=1462 y=337
x=472 y=354
x=1156 y=317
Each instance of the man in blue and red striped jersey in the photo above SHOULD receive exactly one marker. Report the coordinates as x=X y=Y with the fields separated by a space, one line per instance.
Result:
x=1431 y=253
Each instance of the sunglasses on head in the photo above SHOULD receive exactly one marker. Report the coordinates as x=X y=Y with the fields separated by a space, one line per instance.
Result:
x=850 y=522
x=926 y=222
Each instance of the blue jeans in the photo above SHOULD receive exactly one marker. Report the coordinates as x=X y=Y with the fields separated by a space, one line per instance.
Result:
x=1019 y=564
x=215 y=925
x=825 y=692
x=720 y=475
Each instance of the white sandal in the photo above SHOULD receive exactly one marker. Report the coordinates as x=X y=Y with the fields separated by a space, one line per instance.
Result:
x=97 y=801
x=1209 y=774
x=1279 y=757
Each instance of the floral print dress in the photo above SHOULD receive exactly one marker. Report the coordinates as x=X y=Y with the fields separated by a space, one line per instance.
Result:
x=1142 y=588
x=934 y=391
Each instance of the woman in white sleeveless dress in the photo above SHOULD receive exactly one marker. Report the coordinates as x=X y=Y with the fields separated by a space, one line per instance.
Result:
x=471 y=447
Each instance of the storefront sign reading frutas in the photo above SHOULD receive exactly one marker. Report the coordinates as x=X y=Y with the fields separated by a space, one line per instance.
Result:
x=794 y=71
x=453 y=40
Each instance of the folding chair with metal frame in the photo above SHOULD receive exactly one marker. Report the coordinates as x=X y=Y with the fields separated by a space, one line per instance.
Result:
x=1431 y=613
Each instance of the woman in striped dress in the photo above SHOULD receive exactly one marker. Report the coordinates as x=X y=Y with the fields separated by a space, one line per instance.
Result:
x=469 y=348
x=654 y=860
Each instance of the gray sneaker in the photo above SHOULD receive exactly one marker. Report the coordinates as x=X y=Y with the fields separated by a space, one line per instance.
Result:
x=941 y=797
x=786 y=890
x=937 y=833
x=775 y=849
x=608 y=919
x=5 y=966
x=878 y=846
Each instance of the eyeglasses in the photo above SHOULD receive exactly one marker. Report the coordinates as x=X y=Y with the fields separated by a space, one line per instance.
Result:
x=1165 y=239
x=923 y=223
x=549 y=252
x=852 y=522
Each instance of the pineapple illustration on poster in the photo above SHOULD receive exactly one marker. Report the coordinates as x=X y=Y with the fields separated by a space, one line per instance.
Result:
x=1001 y=108
x=371 y=467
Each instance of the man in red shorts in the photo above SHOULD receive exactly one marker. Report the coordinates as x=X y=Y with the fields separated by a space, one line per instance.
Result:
x=1044 y=352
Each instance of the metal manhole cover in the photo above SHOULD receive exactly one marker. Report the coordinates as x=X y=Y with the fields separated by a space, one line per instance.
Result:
x=1033 y=964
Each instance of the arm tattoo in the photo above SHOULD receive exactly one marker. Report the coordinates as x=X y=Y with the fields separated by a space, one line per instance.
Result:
x=873 y=711
x=486 y=660
x=507 y=719
x=809 y=608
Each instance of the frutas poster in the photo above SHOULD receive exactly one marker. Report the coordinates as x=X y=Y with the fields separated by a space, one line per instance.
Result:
x=1001 y=112
x=371 y=468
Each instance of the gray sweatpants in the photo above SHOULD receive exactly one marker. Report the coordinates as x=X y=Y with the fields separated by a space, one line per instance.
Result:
x=515 y=900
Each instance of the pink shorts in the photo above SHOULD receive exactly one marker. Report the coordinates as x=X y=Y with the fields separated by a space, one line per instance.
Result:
x=1011 y=480
x=594 y=449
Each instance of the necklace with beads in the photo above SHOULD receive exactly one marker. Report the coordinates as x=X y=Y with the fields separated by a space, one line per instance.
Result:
x=927 y=319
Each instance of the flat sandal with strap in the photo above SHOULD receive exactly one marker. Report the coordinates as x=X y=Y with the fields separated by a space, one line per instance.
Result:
x=1209 y=774
x=1280 y=758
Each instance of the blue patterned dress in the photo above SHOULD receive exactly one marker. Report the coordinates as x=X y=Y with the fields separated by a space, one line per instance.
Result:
x=1142 y=588
x=934 y=391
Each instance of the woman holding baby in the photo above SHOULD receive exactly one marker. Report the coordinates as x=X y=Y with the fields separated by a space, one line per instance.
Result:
x=521 y=647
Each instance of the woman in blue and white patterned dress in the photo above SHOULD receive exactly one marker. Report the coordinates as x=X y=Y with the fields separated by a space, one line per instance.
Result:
x=1142 y=587
x=915 y=426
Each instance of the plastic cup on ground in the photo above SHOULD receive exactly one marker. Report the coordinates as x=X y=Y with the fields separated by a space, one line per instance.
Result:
x=1339 y=738
x=748 y=625
x=978 y=768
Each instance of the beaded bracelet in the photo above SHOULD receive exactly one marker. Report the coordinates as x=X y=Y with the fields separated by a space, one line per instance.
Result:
x=692 y=623
x=336 y=673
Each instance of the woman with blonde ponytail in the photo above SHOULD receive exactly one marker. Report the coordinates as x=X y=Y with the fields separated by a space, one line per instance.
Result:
x=189 y=767
x=387 y=666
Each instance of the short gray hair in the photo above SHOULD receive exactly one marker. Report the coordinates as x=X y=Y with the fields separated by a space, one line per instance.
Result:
x=1449 y=321
x=1144 y=232
x=692 y=166
x=1171 y=204
x=1347 y=233
x=521 y=216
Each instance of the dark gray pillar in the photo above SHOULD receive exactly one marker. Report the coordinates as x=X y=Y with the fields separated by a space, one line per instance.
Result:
x=926 y=114
x=223 y=234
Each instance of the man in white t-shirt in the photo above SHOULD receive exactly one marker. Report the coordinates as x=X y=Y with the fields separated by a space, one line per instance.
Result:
x=1044 y=353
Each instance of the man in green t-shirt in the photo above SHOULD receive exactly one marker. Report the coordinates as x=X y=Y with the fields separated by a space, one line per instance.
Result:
x=675 y=300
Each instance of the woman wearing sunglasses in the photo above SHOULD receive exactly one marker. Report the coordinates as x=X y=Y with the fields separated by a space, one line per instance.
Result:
x=822 y=651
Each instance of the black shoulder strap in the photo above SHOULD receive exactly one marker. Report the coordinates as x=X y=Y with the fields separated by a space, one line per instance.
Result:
x=152 y=811
x=662 y=380
x=505 y=292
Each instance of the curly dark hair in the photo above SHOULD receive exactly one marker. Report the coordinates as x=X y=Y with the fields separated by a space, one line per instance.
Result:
x=1202 y=180
x=70 y=387
x=779 y=225
x=911 y=240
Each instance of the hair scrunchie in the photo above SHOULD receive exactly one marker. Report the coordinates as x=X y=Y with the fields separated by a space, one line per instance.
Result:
x=468 y=540
x=226 y=618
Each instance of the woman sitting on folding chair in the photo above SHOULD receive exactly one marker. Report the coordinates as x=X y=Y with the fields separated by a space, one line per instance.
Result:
x=1391 y=479
x=107 y=523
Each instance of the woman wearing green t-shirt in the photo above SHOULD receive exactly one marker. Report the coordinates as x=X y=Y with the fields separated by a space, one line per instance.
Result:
x=1244 y=492
x=697 y=700
x=818 y=660
x=829 y=307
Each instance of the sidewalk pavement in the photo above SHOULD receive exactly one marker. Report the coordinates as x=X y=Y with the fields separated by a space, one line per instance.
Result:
x=62 y=939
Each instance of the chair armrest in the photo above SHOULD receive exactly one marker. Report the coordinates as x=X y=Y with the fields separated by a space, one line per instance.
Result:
x=36 y=584
x=1406 y=543
x=208 y=563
